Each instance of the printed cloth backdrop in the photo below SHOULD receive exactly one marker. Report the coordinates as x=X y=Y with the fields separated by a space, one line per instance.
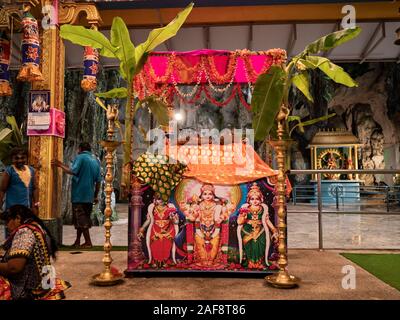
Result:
x=206 y=226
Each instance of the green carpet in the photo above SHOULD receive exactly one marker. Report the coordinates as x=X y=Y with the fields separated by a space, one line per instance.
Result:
x=385 y=267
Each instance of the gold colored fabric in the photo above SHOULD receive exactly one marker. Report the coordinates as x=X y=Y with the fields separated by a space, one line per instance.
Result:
x=30 y=73
x=235 y=164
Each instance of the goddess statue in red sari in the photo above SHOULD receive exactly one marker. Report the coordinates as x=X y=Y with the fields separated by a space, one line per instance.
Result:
x=162 y=226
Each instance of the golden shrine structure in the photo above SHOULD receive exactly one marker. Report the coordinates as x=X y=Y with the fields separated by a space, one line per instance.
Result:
x=336 y=149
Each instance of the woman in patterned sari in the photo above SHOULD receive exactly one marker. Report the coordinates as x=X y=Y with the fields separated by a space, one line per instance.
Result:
x=25 y=270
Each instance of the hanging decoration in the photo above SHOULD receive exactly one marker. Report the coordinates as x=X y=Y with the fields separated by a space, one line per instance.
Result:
x=30 y=71
x=91 y=67
x=5 y=88
x=207 y=71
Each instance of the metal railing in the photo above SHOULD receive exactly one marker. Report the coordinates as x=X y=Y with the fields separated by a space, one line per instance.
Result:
x=360 y=198
x=364 y=195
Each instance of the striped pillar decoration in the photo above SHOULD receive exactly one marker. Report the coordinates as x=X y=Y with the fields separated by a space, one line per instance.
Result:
x=5 y=88
x=30 y=71
x=91 y=67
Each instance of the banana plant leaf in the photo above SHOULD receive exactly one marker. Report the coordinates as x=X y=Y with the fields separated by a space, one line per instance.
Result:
x=159 y=110
x=301 y=124
x=15 y=129
x=332 y=70
x=158 y=36
x=267 y=100
x=9 y=138
x=113 y=93
x=331 y=41
x=6 y=135
x=302 y=83
x=120 y=38
x=88 y=37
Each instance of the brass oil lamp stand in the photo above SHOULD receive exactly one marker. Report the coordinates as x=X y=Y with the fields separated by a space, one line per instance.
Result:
x=107 y=278
x=282 y=279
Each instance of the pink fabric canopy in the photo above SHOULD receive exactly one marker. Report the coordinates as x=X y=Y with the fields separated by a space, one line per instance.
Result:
x=204 y=69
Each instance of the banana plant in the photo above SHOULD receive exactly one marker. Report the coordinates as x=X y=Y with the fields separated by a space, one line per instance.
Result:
x=9 y=138
x=301 y=124
x=131 y=61
x=271 y=90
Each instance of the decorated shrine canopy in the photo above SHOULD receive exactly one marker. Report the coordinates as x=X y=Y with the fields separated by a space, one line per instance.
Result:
x=206 y=71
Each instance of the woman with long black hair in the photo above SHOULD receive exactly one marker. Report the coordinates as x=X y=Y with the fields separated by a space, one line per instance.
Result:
x=25 y=270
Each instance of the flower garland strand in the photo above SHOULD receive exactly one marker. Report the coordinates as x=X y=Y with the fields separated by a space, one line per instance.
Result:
x=166 y=86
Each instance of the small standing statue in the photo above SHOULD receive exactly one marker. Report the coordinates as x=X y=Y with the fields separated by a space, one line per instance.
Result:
x=207 y=213
x=349 y=166
x=112 y=115
x=255 y=230
x=162 y=226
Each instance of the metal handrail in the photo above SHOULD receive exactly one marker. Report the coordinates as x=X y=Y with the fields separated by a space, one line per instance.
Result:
x=363 y=189
x=343 y=171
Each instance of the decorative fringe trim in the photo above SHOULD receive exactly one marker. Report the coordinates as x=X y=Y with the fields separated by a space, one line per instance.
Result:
x=88 y=84
x=5 y=89
x=30 y=73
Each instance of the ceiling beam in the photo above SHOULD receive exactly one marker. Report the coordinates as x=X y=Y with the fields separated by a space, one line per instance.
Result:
x=250 y=37
x=263 y=14
x=291 y=40
x=371 y=45
x=206 y=35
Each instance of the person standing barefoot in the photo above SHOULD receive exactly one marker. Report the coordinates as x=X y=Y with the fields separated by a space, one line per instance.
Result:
x=85 y=188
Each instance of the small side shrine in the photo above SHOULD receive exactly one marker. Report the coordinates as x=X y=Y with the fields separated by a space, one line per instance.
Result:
x=336 y=149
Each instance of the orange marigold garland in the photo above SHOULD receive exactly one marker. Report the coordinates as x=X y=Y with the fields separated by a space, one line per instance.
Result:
x=178 y=72
x=230 y=72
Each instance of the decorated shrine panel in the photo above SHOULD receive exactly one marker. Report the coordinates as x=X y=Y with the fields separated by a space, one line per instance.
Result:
x=206 y=227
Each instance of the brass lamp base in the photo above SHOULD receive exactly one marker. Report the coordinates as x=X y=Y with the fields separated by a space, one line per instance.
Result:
x=107 y=279
x=282 y=280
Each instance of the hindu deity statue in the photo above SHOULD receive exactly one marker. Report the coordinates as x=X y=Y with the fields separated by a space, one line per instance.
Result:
x=255 y=230
x=162 y=226
x=207 y=213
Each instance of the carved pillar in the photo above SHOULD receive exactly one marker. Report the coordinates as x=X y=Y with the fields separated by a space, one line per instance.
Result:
x=45 y=148
x=135 y=211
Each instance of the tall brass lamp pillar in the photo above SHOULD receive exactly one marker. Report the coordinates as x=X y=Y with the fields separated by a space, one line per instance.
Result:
x=282 y=279
x=107 y=278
